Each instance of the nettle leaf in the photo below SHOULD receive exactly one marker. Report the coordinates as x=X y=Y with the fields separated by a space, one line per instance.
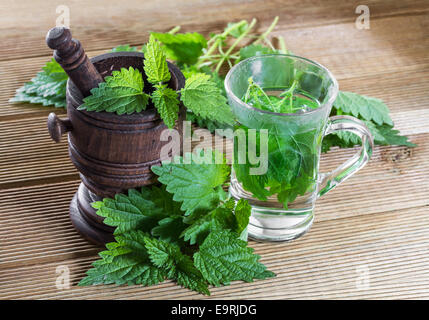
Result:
x=254 y=50
x=204 y=98
x=197 y=232
x=205 y=123
x=124 y=48
x=163 y=200
x=47 y=88
x=167 y=104
x=221 y=217
x=188 y=276
x=135 y=211
x=179 y=267
x=170 y=229
x=189 y=70
x=364 y=107
x=223 y=258
x=387 y=135
x=182 y=47
x=197 y=185
x=162 y=254
x=125 y=262
x=382 y=134
x=349 y=138
x=121 y=93
x=155 y=63
x=242 y=214
x=238 y=28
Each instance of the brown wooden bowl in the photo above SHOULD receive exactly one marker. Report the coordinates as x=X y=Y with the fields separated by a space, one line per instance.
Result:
x=112 y=152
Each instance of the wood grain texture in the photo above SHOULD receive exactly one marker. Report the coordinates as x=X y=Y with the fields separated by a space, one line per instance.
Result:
x=378 y=219
x=128 y=22
x=322 y=264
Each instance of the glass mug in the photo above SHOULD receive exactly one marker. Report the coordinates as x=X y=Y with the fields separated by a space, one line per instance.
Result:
x=283 y=196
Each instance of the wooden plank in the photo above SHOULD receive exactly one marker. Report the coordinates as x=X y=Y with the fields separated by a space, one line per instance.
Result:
x=28 y=155
x=36 y=226
x=325 y=263
x=24 y=28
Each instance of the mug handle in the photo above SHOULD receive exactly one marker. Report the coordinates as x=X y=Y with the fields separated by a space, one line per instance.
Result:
x=328 y=181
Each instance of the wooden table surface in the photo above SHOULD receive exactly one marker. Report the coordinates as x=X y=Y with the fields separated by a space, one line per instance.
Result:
x=375 y=225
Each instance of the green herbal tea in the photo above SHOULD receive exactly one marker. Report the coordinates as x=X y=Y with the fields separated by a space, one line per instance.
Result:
x=292 y=154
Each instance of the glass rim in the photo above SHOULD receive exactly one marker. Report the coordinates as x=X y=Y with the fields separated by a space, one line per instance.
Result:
x=264 y=56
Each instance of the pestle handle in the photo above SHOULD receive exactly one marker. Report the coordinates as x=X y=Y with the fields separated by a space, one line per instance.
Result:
x=71 y=56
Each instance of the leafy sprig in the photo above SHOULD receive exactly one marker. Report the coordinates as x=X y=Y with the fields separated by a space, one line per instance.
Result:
x=47 y=88
x=163 y=233
x=203 y=97
x=123 y=91
x=155 y=63
x=196 y=185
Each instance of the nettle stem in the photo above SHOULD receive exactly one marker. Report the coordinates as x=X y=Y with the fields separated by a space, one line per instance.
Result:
x=282 y=45
x=174 y=30
x=236 y=42
x=268 y=31
x=288 y=94
x=219 y=38
x=217 y=42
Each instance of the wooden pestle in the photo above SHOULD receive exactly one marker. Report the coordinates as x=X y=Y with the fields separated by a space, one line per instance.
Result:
x=71 y=56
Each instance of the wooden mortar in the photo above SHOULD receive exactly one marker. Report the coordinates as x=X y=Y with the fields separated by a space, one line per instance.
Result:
x=112 y=152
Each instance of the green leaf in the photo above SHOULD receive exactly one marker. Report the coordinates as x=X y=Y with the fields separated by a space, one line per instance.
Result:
x=178 y=266
x=211 y=125
x=167 y=104
x=121 y=93
x=155 y=63
x=188 y=276
x=254 y=50
x=242 y=215
x=196 y=185
x=205 y=123
x=182 y=47
x=238 y=28
x=162 y=254
x=124 y=48
x=125 y=262
x=47 y=88
x=135 y=211
x=221 y=217
x=223 y=258
x=348 y=138
x=199 y=230
x=204 y=98
x=163 y=199
x=389 y=136
x=170 y=229
x=382 y=134
x=364 y=107
x=189 y=70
